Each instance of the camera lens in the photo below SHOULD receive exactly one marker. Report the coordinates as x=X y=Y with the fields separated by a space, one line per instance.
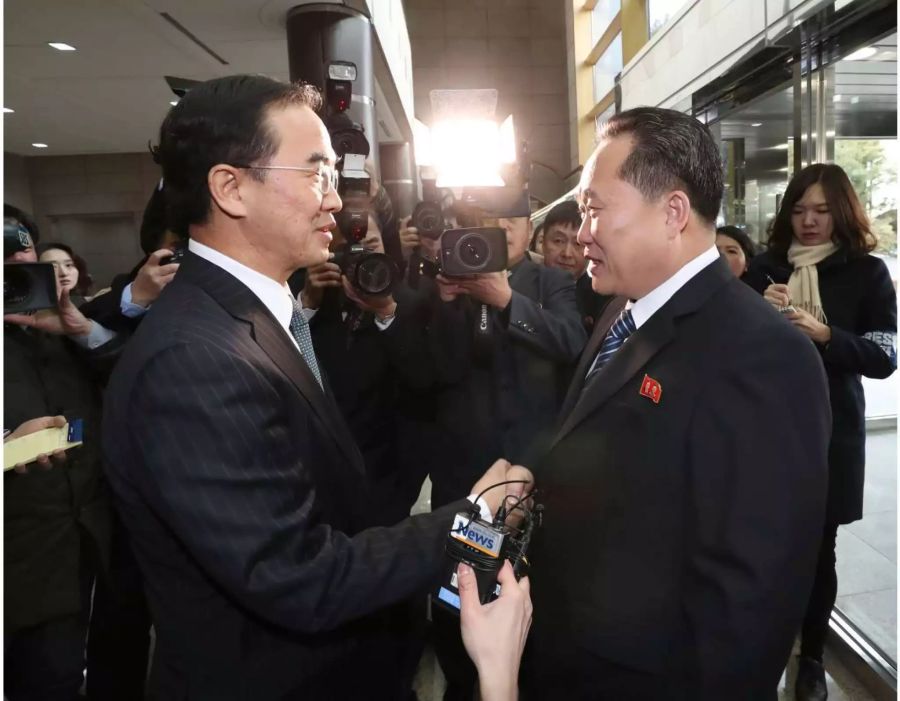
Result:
x=374 y=274
x=473 y=251
x=428 y=219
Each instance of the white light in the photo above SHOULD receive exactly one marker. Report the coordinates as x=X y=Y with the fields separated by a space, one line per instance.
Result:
x=836 y=98
x=854 y=100
x=756 y=124
x=781 y=147
x=862 y=54
x=830 y=134
x=59 y=46
x=7 y=110
x=173 y=102
x=39 y=145
x=422 y=141
x=466 y=153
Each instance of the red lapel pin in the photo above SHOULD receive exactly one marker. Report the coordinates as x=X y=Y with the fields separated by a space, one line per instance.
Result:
x=651 y=389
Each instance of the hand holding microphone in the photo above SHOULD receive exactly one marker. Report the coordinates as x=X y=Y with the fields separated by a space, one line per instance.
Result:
x=494 y=634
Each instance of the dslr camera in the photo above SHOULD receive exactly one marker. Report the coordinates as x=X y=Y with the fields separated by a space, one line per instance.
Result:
x=27 y=287
x=372 y=274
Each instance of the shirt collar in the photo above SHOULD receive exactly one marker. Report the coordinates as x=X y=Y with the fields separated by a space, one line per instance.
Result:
x=649 y=304
x=276 y=297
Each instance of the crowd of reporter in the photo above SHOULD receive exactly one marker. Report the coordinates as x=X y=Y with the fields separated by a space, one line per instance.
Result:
x=434 y=379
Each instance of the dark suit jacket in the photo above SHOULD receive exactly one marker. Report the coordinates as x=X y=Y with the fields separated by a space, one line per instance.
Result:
x=680 y=536
x=244 y=494
x=56 y=521
x=496 y=392
x=860 y=301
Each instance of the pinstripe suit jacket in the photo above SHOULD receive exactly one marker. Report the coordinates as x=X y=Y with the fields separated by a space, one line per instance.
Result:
x=245 y=497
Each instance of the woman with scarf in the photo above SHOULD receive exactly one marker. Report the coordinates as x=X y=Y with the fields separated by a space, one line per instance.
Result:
x=818 y=272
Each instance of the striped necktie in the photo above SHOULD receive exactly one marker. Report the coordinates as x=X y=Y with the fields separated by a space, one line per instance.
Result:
x=300 y=332
x=615 y=337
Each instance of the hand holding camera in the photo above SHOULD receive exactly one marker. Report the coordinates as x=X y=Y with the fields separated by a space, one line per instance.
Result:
x=65 y=320
x=318 y=279
x=153 y=276
x=489 y=288
x=409 y=238
x=382 y=306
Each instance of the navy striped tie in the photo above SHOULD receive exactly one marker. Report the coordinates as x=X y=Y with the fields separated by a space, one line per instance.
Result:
x=300 y=332
x=618 y=333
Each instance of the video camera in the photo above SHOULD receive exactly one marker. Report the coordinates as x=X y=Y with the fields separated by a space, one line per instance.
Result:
x=27 y=287
x=484 y=546
x=466 y=249
x=371 y=273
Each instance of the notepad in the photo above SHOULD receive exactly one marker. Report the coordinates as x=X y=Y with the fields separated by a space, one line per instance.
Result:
x=26 y=449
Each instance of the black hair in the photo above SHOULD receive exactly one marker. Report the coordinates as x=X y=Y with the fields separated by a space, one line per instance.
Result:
x=566 y=212
x=851 y=225
x=740 y=237
x=13 y=212
x=44 y=247
x=223 y=120
x=671 y=150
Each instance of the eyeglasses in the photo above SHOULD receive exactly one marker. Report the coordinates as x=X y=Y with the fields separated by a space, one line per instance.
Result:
x=327 y=174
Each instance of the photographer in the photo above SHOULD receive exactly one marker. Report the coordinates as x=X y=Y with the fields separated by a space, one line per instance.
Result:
x=503 y=347
x=56 y=515
x=130 y=296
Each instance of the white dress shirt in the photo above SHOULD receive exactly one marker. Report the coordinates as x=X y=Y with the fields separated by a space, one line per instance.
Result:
x=275 y=296
x=650 y=303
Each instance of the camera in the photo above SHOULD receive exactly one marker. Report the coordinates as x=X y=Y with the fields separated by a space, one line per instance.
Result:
x=484 y=546
x=27 y=287
x=372 y=274
x=176 y=257
x=473 y=251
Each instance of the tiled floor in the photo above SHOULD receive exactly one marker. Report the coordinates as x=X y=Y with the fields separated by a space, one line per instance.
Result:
x=867 y=549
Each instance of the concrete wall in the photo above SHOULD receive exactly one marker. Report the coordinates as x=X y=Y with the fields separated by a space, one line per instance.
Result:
x=93 y=203
x=515 y=46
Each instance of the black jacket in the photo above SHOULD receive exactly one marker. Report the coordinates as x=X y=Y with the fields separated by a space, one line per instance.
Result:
x=245 y=496
x=681 y=528
x=497 y=392
x=56 y=522
x=860 y=304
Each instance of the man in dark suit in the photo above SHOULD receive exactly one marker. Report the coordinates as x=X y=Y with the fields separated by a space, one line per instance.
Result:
x=239 y=482
x=684 y=491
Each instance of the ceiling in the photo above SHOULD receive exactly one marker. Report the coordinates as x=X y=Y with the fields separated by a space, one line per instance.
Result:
x=109 y=96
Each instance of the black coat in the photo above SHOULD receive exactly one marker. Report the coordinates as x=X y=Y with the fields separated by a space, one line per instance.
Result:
x=590 y=303
x=498 y=392
x=53 y=519
x=366 y=368
x=245 y=496
x=680 y=534
x=860 y=304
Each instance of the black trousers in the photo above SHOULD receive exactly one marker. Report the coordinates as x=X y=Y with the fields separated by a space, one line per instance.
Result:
x=822 y=597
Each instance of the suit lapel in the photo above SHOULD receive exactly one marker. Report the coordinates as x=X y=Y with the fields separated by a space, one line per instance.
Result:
x=242 y=304
x=601 y=328
x=646 y=342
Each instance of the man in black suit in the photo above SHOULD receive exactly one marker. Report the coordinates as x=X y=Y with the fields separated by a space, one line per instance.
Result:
x=684 y=491
x=239 y=482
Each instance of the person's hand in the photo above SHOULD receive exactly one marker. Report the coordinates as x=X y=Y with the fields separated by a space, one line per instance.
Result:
x=409 y=237
x=494 y=634
x=502 y=471
x=65 y=320
x=318 y=278
x=777 y=295
x=43 y=461
x=808 y=324
x=449 y=288
x=488 y=288
x=152 y=278
x=382 y=306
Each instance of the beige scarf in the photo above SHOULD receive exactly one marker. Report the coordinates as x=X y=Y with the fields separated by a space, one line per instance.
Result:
x=803 y=285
